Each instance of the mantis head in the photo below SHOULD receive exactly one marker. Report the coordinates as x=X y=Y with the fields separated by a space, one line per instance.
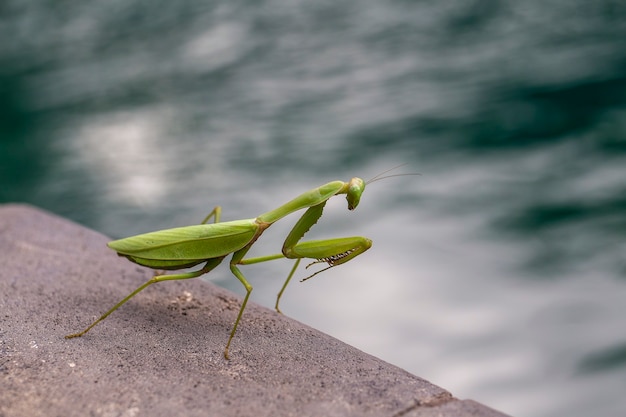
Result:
x=356 y=186
x=355 y=189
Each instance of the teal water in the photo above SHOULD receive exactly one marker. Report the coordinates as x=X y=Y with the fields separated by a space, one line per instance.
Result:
x=499 y=273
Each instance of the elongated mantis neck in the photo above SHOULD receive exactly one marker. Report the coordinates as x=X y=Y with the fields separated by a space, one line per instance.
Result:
x=309 y=199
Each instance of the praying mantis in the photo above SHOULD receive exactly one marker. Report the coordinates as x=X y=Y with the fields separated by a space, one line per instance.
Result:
x=210 y=243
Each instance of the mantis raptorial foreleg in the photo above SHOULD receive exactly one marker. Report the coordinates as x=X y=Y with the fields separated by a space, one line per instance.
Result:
x=332 y=251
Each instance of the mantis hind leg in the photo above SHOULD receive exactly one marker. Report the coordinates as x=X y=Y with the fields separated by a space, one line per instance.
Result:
x=216 y=213
x=212 y=263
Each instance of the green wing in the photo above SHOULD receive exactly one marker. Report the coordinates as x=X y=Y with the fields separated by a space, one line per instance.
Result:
x=189 y=243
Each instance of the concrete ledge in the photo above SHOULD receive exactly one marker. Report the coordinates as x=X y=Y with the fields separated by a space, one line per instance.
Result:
x=161 y=354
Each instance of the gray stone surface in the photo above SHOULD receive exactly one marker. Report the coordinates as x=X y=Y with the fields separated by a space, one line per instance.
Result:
x=161 y=353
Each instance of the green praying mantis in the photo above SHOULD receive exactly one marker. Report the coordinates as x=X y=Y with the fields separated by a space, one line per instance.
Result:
x=210 y=243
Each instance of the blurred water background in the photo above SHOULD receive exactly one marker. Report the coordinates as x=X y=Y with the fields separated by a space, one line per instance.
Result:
x=499 y=273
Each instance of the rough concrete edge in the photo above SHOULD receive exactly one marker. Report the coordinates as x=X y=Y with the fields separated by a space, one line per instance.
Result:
x=444 y=405
x=450 y=407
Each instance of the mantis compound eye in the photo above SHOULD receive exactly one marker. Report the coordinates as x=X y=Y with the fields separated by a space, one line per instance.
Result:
x=355 y=189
